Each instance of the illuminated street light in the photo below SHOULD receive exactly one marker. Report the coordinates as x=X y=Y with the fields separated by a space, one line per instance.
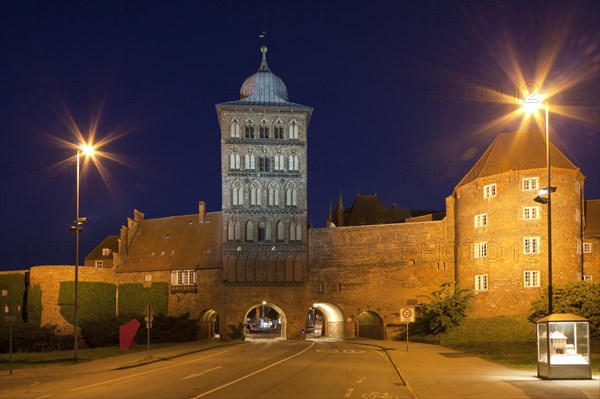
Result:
x=87 y=150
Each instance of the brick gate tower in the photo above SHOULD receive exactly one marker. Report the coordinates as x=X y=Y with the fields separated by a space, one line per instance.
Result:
x=264 y=182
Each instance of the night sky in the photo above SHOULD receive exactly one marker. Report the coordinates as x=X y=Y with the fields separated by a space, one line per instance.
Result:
x=405 y=95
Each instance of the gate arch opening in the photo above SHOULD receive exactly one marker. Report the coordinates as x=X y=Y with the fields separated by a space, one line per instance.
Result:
x=209 y=324
x=333 y=320
x=265 y=320
x=369 y=325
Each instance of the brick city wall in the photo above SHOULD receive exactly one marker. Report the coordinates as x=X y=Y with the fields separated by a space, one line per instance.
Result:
x=49 y=279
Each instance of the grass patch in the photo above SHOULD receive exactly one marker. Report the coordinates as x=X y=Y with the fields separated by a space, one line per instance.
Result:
x=510 y=341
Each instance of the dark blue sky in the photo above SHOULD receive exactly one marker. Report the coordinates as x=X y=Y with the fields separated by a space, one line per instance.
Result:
x=395 y=87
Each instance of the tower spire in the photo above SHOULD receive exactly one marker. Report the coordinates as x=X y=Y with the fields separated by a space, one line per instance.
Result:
x=263 y=49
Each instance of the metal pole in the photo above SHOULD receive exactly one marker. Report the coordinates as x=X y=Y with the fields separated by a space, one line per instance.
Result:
x=407 y=324
x=548 y=165
x=76 y=313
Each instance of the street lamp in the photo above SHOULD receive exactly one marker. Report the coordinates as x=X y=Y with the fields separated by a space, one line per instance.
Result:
x=87 y=150
x=530 y=107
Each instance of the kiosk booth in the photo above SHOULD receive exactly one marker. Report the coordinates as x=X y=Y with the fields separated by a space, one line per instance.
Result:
x=563 y=347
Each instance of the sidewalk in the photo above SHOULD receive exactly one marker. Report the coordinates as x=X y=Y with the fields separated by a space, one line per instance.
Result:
x=432 y=371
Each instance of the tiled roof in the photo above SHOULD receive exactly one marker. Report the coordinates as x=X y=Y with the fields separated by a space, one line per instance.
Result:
x=110 y=242
x=174 y=243
x=368 y=209
x=516 y=151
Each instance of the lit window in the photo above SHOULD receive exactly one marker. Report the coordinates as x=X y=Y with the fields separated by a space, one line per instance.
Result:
x=293 y=130
x=106 y=251
x=234 y=129
x=531 y=212
x=293 y=162
x=480 y=250
x=587 y=277
x=531 y=278
x=587 y=247
x=148 y=277
x=481 y=220
x=99 y=264
x=250 y=161
x=234 y=161
x=481 y=282
x=183 y=277
x=531 y=245
x=489 y=190
x=531 y=183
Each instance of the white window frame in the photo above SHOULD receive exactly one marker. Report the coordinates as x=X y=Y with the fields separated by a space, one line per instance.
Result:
x=293 y=130
x=106 y=251
x=234 y=129
x=99 y=264
x=531 y=212
x=481 y=282
x=490 y=190
x=530 y=183
x=480 y=220
x=531 y=278
x=183 y=277
x=587 y=247
x=531 y=245
x=480 y=250
x=587 y=277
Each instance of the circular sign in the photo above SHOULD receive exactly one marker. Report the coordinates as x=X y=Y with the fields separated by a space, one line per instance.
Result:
x=407 y=313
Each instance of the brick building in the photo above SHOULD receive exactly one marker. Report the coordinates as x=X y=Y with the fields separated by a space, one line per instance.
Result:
x=369 y=261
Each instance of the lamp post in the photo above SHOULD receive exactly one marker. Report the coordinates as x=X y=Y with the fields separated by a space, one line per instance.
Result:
x=548 y=201
x=79 y=221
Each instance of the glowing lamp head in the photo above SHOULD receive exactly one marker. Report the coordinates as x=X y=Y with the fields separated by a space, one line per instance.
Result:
x=87 y=149
x=532 y=103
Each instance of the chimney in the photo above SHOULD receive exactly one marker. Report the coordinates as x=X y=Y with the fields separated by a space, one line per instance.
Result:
x=201 y=212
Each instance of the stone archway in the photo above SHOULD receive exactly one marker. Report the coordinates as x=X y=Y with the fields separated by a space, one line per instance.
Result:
x=209 y=325
x=259 y=323
x=370 y=325
x=333 y=323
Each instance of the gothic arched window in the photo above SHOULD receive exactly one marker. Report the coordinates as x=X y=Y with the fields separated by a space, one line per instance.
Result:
x=234 y=129
x=249 y=231
x=250 y=161
x=278 y=164
x=237 y=194
x=234 y=231
x=264 y=129
x=293 y=231
x=265 y=163
x=249 y=129
x=234 y=161
x=255 y=194
x=273 y=194
x=293 y=130
x=291 y=197
x=280 y=231
x=293 y=162
x=278 y=130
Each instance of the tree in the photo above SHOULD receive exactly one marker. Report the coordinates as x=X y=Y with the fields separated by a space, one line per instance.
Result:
x=580 y=298
x=446 y=308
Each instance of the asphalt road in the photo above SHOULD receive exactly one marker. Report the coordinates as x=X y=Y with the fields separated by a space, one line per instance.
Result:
x=253 y=370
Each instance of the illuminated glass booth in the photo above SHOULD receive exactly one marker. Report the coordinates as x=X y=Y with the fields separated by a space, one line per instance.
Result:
x=563 y=347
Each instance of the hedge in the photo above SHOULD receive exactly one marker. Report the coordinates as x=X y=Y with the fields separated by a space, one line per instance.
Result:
x=14 y=284
x=134 y=297
x=96 y=300
x=34 y=305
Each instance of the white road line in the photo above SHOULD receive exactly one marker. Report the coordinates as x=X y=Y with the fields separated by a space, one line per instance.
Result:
x=361 y=380
x=201 y=373
x=145 y=372
x=45 y=396
x=349 y=392
x=251 y=374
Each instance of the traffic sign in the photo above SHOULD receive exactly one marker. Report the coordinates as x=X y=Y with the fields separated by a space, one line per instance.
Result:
x=407 y=315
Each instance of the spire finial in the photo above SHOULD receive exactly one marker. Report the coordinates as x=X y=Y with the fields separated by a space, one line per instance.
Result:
x=263 y=50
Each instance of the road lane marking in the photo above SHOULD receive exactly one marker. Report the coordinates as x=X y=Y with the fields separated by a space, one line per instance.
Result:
x=361 y=380
x=201 y=373
x=339 y=351
x=349 y=392
x=40 y=397
x=145 y=372
x=252 y=374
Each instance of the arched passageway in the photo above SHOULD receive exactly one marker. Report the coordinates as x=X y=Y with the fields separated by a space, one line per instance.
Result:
x=209 y=324
x=265 y=321
x=333 y=320
x=369 y=325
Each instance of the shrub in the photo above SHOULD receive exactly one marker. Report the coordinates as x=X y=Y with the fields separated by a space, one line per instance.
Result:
x=28 y=337
x=446 y=308
x=580 y=298
x=133 y=298
x=95 y=300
